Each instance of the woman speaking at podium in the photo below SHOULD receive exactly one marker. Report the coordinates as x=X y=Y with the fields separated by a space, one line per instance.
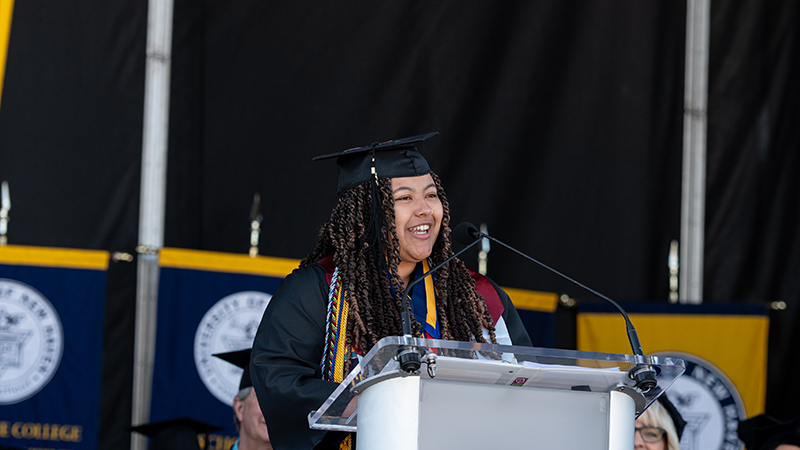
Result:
x=391 y=224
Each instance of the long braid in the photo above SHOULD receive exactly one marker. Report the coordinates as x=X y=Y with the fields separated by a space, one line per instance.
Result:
x=458 y=301
x=374 y=310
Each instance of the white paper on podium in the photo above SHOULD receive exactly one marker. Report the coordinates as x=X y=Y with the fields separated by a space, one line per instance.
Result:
x=579 y=378
x=527 y=374
x=475 y=371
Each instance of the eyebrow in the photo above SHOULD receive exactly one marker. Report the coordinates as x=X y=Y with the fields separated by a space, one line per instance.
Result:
x=406 y=188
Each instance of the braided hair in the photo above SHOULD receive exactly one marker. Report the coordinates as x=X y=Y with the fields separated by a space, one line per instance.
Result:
x=374 y=298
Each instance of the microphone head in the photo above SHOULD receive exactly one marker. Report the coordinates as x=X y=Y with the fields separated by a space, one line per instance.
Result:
x=466 y=233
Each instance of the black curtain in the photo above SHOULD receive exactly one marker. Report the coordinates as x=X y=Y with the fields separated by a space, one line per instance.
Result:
x=753 y=187
x=560 y=124
x=561 y=129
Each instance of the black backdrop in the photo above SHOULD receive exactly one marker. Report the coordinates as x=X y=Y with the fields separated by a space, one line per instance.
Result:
x=561 y=128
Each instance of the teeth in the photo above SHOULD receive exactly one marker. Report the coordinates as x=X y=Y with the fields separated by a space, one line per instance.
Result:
x=420 y=229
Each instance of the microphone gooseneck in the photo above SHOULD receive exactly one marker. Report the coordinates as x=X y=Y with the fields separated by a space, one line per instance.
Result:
x=407 y=355
x=643 y=374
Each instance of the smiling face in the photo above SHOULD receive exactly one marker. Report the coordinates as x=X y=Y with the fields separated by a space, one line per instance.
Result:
x=418 y=218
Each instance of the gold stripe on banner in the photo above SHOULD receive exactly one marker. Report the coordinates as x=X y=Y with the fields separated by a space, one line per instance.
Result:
x=280 y=267
x=6 y=10
x=54 y=257
x=226 y=262
x=736 y=344
x=533 y=300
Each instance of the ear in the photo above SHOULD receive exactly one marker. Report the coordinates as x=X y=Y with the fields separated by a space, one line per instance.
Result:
x=238 y=408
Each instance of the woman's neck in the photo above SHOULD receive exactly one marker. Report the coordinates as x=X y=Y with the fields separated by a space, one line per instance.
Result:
x=405 y=270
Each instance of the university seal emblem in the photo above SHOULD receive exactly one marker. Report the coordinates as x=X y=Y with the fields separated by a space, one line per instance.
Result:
x=31 y=341
x=229 y=325
x=710 y=404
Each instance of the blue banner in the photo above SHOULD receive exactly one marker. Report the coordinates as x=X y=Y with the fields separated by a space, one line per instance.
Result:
x=51 y=329
x=208 y=303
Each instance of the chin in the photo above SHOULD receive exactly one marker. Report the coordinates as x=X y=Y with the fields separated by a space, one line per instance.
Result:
x=423 y=254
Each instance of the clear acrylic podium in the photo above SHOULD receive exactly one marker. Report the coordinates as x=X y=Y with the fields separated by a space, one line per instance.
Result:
x=483 y=396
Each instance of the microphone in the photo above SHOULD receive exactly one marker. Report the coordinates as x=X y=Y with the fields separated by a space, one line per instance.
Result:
x=408 y=355
x=643 y=374
x=466 y=233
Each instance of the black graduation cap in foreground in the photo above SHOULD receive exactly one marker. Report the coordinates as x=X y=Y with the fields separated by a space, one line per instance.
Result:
x=677 y=419
x=390 y=159
x=175 y=434
x=764 y=432
x=241 y=359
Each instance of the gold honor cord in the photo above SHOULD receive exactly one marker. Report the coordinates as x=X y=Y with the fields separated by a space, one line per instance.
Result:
x=6 y=9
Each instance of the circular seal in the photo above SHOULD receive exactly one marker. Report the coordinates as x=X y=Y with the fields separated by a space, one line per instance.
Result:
x=31 y=341
x=229 y=325
x=709 y=403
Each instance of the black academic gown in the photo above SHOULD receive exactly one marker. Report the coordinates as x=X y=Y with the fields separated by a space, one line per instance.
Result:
x=287 y=351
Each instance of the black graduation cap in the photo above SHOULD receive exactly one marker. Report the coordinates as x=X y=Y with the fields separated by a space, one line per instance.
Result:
x=677 y=419
x=390 y=159
x=764 y=432
x=175 y=434
x=241 y=359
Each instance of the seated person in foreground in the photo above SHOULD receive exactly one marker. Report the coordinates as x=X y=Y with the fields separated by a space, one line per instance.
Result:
x=659 y=427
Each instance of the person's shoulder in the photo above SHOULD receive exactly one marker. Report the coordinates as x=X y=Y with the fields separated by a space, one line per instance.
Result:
x=484 y=283
x=496 y=298
x=306 y=288
x=310 y=278
x=475 y=275
x=305 y=276
x=324 y=266
x=313 y=269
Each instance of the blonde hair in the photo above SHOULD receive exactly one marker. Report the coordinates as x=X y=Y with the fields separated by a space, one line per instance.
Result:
x=657 y=416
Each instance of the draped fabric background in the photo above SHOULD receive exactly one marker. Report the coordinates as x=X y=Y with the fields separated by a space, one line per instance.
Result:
x=560 y=125
x=752 y=229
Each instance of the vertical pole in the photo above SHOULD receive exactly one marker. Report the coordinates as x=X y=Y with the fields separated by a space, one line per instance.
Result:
x=152 y=205
x=694 y=151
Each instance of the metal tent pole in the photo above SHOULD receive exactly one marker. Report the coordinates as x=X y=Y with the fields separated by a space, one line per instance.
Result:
x=151 y=205
x=693 y=197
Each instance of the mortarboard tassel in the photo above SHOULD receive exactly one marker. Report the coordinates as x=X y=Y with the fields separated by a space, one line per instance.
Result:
x=376 y=220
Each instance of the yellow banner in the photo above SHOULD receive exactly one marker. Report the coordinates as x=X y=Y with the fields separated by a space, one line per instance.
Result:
x=226 y=262
x=533 y=300
x=735 y=344
x=280 y=267
x=54 y=257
